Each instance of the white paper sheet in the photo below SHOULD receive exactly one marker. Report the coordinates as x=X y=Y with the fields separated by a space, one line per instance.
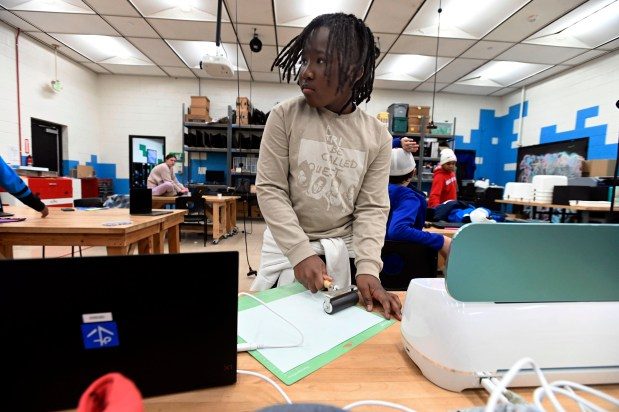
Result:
x=321 y=331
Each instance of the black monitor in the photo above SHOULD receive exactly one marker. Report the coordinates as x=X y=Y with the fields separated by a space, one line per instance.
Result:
x=214 y=177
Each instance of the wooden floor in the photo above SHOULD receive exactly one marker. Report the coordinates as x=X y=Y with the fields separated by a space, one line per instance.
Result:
x=190 y=242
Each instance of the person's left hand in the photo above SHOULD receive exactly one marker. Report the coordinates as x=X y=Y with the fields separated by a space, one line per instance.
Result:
x=371 y=290
x=44 y=212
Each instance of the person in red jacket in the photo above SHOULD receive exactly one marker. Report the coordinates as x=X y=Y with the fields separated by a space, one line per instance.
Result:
x=444 y=182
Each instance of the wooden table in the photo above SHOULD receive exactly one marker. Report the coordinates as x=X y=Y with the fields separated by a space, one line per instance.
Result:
x=85 y=228
x=377 y=369
x=534 y=205
x=160 y=202
x=223 y=215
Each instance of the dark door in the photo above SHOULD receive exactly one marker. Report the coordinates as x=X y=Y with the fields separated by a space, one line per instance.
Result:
x=46 y=149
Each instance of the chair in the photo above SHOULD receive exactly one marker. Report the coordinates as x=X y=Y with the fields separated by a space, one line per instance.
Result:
x=403 y=261
x=196 y=212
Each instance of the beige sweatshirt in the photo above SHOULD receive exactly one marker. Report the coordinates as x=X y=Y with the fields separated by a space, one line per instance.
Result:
x=321 y=175
x=163 y=173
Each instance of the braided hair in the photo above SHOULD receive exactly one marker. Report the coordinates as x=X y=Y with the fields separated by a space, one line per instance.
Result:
x=350 y=40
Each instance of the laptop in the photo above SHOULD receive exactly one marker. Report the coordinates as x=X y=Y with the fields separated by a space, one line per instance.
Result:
x=141 y=203
x=2 y=212
x=67 y=322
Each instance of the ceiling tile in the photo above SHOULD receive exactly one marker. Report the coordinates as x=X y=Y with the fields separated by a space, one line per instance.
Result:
x=471 y=19
x=456 y=69
x=251 y=11
x=16 y=21
x=484 y=49
x=197 y=10
x=266 y=34
x=158 y=51
x=66 y=6
x=192 y=52
x=63 y=49
x=132 y=69
x=385 y=40
x=541 y=75
x=113 y=7
x=192 y=30
x=530 y=53
x=429 y=86
x=95 y=67
x=300 y=13
x=285 y=34
x=178 y=72
x=394 y=84
x=586 y=56
x=406 y=67
x=531 y=18
x=272 y=77
x=504 y=91
x=391 y=16
x=105 y=49
x=427 y=46
x=611 y=45
x=260 y=62
x=68 y=23
x=466 y=89
x=132 y=26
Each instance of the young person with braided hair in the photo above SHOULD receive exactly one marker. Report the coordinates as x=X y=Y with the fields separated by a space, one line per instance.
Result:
x=323 y=168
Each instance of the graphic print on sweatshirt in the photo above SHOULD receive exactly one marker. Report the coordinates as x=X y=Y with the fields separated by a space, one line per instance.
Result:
x=327 y=171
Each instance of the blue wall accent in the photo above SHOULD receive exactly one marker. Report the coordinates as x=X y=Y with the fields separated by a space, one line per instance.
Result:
x=213 y=161
x=67 y=165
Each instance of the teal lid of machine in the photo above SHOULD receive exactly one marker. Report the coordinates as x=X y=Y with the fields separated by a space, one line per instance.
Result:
x=534 y=262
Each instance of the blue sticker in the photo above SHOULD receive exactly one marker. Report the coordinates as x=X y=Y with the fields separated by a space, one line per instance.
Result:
x=100 y=335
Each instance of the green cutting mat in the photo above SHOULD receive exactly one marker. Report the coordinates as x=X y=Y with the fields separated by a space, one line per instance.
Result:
x=319 y=361
x=509 y=262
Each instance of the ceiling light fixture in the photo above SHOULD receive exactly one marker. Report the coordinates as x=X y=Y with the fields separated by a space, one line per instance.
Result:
x=255 y=44
x=431 y=125
x=56 y=84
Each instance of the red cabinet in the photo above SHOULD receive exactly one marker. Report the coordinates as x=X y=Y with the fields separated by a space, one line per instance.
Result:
x=53 y=191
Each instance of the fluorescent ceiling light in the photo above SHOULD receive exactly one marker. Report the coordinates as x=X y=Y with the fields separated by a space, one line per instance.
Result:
x=54 y=6
x=462 y=19
x=408 y=67
x=588 y=26
x=105 y=49
x=502 y=73
x=300 y=13
x=192 y=52
x=199 y=10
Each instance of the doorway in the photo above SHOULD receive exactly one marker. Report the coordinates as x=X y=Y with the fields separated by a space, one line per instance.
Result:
x=46 y=145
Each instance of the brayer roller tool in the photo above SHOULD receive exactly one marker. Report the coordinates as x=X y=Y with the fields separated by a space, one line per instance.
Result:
x=338 y=300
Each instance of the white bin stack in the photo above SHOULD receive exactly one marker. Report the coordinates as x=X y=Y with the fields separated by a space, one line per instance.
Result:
x=518 y=191
x=543 y=185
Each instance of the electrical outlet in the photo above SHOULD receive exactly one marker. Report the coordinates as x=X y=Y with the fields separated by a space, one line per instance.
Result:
x=201 y=170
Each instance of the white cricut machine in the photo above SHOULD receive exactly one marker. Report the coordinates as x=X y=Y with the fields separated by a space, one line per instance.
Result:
x=548 y=292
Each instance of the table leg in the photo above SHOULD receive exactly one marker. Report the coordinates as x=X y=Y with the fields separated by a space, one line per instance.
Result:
x=217 y=229
x=145 y=246
x=158 y=241
x=6 y=251
x=174 y=242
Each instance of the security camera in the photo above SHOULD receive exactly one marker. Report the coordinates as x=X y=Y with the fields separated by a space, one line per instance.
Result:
x=255 y=44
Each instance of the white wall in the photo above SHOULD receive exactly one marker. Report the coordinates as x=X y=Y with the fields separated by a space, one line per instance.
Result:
x=556 y=101
x=75 y=107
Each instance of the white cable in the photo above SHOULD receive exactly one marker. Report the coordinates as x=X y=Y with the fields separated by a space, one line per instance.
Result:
x=490 y=386
x=243 y=347
x=269 y=380
x=378 y=403
x=511 y=373
x=565 y=388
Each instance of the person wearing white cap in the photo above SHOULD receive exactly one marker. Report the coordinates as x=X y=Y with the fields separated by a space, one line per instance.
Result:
x=444 y=183
x=408 y=206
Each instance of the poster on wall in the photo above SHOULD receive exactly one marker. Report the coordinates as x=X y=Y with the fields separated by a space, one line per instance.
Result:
x=564 y=158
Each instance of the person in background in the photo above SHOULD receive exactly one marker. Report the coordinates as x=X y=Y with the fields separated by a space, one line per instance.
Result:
x=347 y=152
x=408 y=206
x=13 y=184
x=444 y=184
x=163 y=180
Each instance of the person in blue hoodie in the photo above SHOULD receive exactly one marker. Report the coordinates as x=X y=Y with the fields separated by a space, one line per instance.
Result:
x=13 y=184
x=408 y=206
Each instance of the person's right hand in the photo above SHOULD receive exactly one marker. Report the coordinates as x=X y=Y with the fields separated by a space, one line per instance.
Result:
x=44 y=212
x=446 y=247
x=409 y=145
x=311 y=272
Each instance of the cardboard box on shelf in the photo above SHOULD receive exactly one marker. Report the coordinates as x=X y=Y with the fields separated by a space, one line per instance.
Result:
x=200 y=111
x=414 y=120
x=200 y=101
x=197 y=118
x=418 y=111
x=414 y=128
x=84 y=171
x=599 y=167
